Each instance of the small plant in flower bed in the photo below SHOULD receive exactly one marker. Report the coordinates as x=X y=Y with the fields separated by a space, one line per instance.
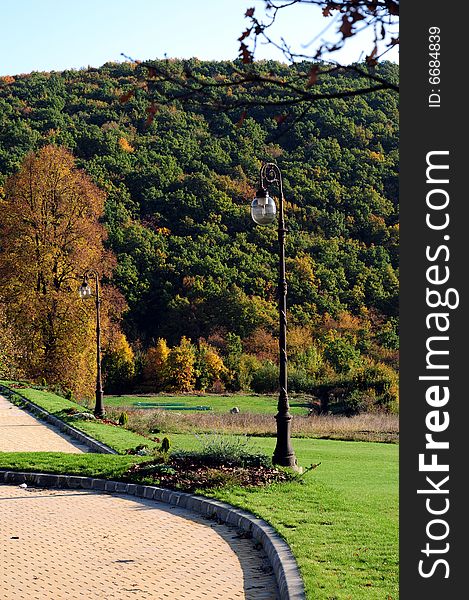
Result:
x=73 y=414
x=231 y=451
x=222 y=461
x=123 y=419
x=142 y=450
x=187 y=472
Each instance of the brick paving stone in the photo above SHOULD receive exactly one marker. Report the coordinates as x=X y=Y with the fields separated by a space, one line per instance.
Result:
x=21 y=432
x=67 y=544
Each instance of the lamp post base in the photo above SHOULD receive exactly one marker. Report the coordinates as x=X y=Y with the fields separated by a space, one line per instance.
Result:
x=99 y=406
x=284 y=455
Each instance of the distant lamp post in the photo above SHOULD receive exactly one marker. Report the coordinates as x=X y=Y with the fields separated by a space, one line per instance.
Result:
x=85 y=292
x=263 y=211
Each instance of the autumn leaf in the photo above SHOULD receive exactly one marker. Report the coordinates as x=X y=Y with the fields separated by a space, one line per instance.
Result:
x=312 y=76
x=245 y=54
x=280 y=118
x=242 y=118
x=126 y=97
x=357 y=16
x=125 y=146
x=371 y=60
x=245 y=34
x=327 y=10
x=346 y=27
x=249 y=12
x=151 y=110
x=393 y=8
x=319 y=52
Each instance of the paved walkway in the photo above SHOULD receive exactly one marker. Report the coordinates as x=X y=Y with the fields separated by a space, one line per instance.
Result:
x=21 y=432
x=67 y=544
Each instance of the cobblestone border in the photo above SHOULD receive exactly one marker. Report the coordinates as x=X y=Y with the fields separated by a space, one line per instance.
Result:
x=284 y=565
x=43 y=414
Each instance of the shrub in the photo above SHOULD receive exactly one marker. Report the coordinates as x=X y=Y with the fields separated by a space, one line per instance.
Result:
x=69 y=396
x=341 y=352
x=118 y=365
x=311 y=360
x=233 y=353
x=227 y=450
x=155 y=364
x=248 y=365
x=265 y=379
x=181 y=366
x=165 y=445
x=353 y=402
x=388 y=336
x=262 y=344
x=123 y=419
x=234 y=347
x=209 y=366
x=300 y=381
x=383 y=380
x=299 y=341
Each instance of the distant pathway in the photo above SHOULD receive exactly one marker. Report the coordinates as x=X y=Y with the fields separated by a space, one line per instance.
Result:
x=64 y=544
x=21 y=432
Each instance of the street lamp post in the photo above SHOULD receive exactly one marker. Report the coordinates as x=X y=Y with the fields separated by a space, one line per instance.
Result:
x=85 y=292
x=263 y=210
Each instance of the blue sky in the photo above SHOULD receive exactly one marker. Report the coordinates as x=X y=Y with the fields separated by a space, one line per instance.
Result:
x=43 y=35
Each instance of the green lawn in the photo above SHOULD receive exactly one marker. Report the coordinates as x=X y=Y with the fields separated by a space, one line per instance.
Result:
x=118 y=438
x=107 y=466
x=219 y=404
x=47 y=400
x=341 y=522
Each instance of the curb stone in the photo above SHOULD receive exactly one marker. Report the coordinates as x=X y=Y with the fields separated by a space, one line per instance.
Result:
x=40 y=412
x=289 y=581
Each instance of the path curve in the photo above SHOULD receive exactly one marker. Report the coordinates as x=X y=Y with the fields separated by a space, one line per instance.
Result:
x=21 y=432
x=82 y=544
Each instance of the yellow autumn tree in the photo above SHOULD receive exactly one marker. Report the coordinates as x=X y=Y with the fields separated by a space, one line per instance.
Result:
x=181 y=366
x=155 y=366
x=209 y=366
x=8 y=350
x=118 y=365
x=50 y=234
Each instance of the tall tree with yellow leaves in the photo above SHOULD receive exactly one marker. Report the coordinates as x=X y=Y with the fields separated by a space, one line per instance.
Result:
x=50 y=234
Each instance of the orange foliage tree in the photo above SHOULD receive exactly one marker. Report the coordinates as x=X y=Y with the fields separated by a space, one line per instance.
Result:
x=50 y=234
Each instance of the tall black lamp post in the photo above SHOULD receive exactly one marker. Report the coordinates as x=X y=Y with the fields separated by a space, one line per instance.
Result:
x=85 y=292
x=263 y=210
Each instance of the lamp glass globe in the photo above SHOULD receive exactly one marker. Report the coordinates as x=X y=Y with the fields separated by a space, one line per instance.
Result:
x=263 y=210
x=84 y=290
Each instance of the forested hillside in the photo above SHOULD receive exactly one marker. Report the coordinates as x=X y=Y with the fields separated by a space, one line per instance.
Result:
x=190 y=261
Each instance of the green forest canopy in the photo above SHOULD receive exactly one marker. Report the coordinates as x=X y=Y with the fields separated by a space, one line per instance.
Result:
x=190 y=260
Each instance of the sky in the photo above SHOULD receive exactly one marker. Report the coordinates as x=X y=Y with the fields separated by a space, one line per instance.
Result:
x=45 y=35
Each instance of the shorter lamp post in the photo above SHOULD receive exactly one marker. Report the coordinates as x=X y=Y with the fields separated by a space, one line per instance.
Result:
x=85 y=292
x=263 y=211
